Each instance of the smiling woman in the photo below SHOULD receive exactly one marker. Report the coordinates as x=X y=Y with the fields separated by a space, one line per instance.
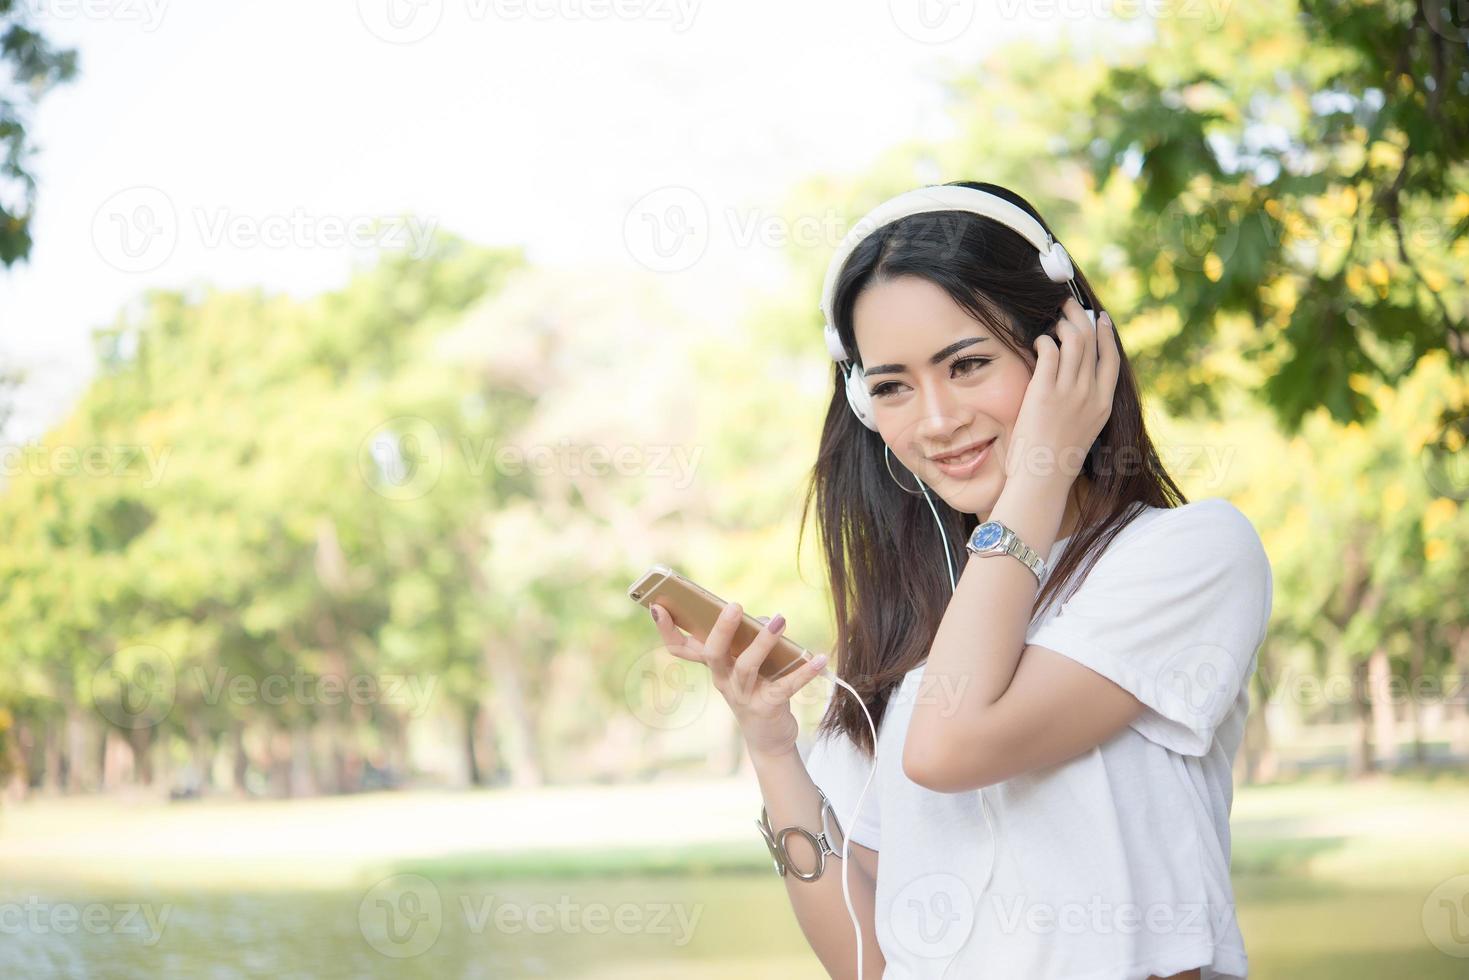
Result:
x=1049 y=739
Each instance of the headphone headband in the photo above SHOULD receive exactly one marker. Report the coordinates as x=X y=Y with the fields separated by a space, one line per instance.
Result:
x=923 y=200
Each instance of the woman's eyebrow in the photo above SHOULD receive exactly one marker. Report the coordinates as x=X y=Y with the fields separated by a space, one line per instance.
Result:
x=956 y=346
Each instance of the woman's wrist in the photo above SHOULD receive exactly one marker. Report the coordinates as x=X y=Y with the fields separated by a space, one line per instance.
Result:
x=760 y=757
x=1035 y=508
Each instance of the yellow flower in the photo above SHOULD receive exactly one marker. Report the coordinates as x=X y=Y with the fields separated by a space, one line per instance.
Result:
x=1438 y=513
x=1213 y=267
x=1394 y=498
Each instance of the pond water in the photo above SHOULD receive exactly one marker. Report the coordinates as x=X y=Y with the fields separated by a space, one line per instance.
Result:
x=716 y=926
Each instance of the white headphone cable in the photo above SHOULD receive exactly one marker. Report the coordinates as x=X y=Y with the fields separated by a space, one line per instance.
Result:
x=984 y=804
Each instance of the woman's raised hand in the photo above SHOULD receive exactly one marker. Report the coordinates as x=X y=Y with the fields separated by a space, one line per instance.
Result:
x=1068 y=399
x=762 y=707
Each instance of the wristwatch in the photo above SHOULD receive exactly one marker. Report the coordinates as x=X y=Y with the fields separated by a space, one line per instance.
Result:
x=995 y=538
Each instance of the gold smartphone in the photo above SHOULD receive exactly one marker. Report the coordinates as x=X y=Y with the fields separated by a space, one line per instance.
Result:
x=695 y=610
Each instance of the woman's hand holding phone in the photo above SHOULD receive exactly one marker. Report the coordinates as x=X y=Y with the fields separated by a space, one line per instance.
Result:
x=761 y=707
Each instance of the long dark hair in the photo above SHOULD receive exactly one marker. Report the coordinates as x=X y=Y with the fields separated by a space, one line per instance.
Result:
x=883 y=552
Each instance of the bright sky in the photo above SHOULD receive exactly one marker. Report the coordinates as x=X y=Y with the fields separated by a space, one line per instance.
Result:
x=246 y=143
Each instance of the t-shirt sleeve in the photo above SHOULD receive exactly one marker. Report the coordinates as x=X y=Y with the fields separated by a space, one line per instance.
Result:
x=840 y=769
x=1175 y=614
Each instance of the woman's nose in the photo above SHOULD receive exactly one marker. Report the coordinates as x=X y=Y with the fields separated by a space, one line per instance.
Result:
x=939 y=413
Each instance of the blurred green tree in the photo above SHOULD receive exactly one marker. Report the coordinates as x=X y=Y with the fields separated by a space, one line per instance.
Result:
x=34 y=68
x=1302 y=166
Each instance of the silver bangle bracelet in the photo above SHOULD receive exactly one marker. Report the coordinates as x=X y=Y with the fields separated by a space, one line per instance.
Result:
x=821 y=843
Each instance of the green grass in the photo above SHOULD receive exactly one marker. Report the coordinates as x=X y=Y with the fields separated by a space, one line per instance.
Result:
x=1333 y=880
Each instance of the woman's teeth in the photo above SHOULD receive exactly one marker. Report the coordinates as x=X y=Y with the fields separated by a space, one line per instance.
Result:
x=966 y=457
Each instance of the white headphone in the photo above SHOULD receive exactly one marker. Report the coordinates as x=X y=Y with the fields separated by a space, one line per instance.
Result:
x=947 y=197
x=1057 y=265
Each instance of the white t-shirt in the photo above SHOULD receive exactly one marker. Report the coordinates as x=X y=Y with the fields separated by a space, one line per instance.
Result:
x=1113 y=865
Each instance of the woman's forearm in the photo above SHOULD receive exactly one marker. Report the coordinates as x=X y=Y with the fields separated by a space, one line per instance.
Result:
x=791 y=799
x=981 y=636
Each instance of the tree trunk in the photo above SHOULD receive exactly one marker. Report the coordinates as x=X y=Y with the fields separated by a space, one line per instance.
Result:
x=141 y=741
x=241 y=766
x=1359 y=761
x=83 y=750
x=512 y=716
x=1384 y=713
x=52 y=753
x=1260 y=762
x=302 y=780
x=1415 y=710
x=1458 y=687
x=25 y=774
x=278 y=762
x=512 y=712
x=399 y=752
x=486 y=746
x=119 y=760
x=203 y=754
x=477 y=775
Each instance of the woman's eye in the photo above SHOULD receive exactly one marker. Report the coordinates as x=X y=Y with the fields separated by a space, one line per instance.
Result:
x=964 y=366
x=977 y=361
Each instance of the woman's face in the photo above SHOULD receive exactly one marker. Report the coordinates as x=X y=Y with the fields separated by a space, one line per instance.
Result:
x=940 y=381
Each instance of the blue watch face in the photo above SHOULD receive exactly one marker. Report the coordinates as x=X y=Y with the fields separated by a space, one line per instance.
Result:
x=987 y=535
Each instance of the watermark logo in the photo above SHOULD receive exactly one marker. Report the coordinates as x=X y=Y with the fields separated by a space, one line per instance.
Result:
x=1197 y=682
x=1200 y=236
x=569 y=917
x=1210 y=13
x=147 y=14
x=932 y=21
x=1448 y=18
x=1446 y=916
x=405 y=457
x=411 y=692
x=404 y=916
x=34 y=917
x=135 y=687
x=1099 y=916
x=136 y=229
x=410 y=21
x=402 y=458
x=664 y=692
x=401 y=916
x=1445 y=462
x=1309 y=689
x=400 y=21
x=139 y=228
x=667 y=230
x=122 y=461
x=933 y=915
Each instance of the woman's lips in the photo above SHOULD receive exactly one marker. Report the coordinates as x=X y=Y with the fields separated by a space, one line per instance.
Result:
x=960 y=470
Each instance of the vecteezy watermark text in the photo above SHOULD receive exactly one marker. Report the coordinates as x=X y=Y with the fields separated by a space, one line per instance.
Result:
x=138 y=228
x=35 y=917
x=404 y=915
x=37 y=459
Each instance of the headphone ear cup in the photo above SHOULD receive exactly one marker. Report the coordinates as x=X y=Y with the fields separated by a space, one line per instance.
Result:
x=858 y=398
x=1057 y=263
x=834 y=344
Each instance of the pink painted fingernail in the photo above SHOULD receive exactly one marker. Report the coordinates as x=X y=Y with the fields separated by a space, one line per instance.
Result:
x=819 y=662
x=652 y=611
x=776 y=623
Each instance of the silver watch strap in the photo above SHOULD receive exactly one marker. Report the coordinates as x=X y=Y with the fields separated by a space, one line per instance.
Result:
x=1027 y=555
